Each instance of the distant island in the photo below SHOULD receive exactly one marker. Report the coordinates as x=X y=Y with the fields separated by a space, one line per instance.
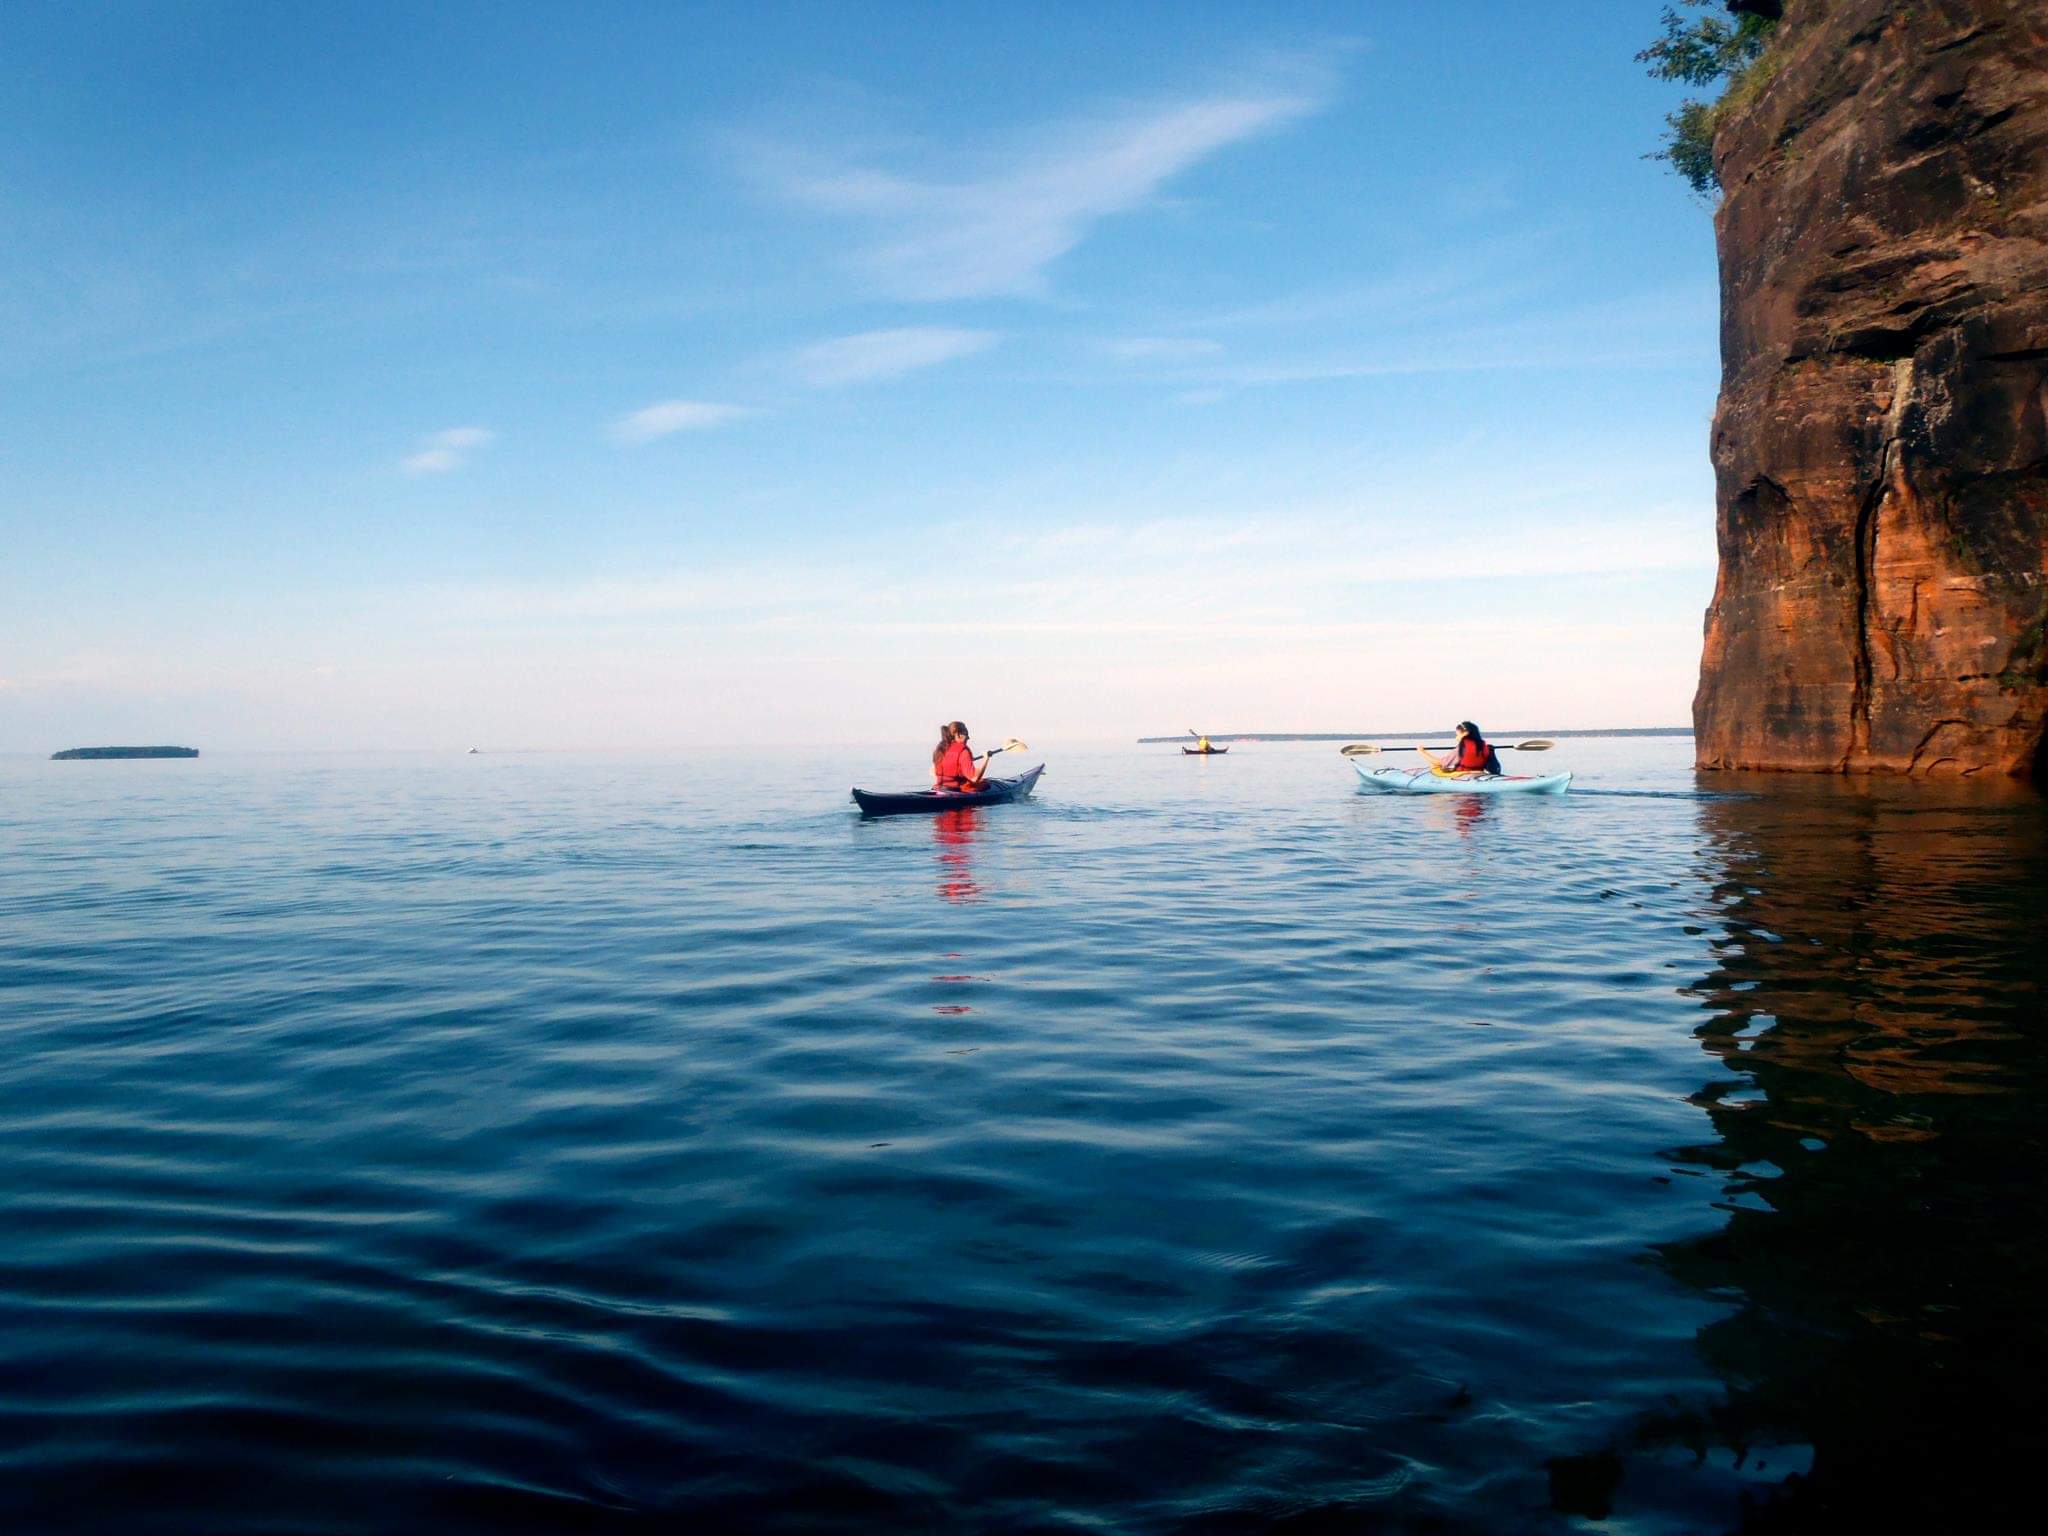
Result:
x=81 y=754
x=1434 y=732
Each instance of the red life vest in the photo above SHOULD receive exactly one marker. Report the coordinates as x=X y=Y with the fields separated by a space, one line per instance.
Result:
x=1475 y=756
x=956 y=766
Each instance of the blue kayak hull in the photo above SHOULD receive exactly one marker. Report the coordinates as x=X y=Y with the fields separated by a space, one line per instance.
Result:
x=1426 y=781
x=930 y=801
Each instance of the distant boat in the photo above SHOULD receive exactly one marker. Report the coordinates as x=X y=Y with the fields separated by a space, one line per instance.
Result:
x=100 y=754
x=472 y=751
x=1204 y=751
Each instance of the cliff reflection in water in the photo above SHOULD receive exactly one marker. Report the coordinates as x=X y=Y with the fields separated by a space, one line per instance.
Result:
x=1883 y=1136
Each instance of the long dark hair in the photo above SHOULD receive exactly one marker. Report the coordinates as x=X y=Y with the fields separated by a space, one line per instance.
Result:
x=1471 y=730
x=945 y=741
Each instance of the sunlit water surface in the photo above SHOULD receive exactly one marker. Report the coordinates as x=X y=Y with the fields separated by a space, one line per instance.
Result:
x=548 y=1143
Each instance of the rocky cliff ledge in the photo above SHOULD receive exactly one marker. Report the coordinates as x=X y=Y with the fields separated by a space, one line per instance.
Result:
x=1881 y=443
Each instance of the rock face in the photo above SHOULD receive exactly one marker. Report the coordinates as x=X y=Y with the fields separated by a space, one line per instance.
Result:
x=1881 y=442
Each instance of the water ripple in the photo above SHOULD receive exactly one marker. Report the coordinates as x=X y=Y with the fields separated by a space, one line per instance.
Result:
x=533 y=1144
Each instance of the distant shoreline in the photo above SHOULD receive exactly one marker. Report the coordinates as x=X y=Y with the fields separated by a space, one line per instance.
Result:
x=113 y=754
x=1439 y=731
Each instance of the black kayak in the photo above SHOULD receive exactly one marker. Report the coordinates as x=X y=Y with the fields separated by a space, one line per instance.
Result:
x=1204 y=751
x=911 y=802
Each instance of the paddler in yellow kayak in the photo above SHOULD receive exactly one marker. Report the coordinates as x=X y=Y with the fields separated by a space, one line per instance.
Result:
x=1472 y=754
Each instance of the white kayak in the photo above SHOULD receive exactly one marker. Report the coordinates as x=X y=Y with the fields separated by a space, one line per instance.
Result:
x=1428 y=781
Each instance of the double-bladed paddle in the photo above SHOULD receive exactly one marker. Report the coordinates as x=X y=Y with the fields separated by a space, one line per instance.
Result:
x=1367 y=749
x=1010 y=744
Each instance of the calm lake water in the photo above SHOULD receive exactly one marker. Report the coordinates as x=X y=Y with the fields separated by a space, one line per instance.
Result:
x=536 y=1143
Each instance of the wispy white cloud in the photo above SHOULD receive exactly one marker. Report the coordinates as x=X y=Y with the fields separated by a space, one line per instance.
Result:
x=743 y=595
x=440 y=452
x=1478 y=197
x=1372 y=611
x=1591 y=337
x=1351 y=547
x=665 y=417
x=886 y=354
x=1162 y=349
x=1442 y=327
x=997 y=228
x=1328 y=573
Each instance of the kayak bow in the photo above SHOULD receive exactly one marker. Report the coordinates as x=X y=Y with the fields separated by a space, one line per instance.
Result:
x=912 y=802
x=1428 y=781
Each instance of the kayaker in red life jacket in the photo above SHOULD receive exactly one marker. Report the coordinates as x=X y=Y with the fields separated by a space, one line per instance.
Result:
x=1472 y=754
x=953 y=764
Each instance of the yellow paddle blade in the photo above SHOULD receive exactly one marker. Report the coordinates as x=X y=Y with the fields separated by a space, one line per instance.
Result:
x=1532 y=746
x=1360 y=749
x=1012 y=744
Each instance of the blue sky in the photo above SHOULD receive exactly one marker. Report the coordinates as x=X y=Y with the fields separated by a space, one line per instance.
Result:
x=633 y=376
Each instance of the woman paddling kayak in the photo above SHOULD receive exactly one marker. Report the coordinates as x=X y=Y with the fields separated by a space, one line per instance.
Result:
x=958 y=780
x=954 y=767
x=1472 y=754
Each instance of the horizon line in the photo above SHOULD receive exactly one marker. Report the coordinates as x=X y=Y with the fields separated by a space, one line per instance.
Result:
x=1619 y=730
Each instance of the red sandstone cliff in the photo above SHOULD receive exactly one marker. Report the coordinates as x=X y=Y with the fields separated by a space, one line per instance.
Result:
x=1881 y=443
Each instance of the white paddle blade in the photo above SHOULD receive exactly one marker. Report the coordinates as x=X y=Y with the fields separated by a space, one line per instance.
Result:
x=1360 y=749
x=1012 y=744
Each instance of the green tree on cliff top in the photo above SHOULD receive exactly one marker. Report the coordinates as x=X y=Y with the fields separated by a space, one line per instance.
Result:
x=1704 y=50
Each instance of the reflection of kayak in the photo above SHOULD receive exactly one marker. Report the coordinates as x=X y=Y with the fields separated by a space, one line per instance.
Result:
x=1427 y=781
x=911 y=802
x=1203 y=751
